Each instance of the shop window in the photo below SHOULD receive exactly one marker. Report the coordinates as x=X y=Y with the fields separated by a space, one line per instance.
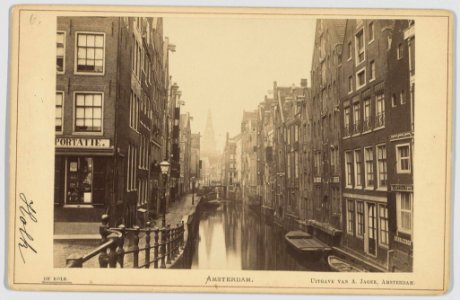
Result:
x=80 y=180
x=404 y=212
x=88 y=112
x=383 y=217
x=90 y=53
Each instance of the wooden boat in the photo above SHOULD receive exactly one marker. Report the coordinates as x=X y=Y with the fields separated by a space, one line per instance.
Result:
x=305 y=242
x=340 y=265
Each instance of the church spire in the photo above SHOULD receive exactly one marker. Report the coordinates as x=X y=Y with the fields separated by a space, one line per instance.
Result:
x=209 y=142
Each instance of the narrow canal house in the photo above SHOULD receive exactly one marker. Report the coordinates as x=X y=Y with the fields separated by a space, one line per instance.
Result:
x=265 y=156
x=364 y=145
x=399 y=97
x=104 y=119
x=326 y=221
x=185 y=153
x=306 y=166
x=249 y=158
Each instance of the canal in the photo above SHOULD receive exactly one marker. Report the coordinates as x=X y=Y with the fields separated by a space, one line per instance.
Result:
x=232 y=236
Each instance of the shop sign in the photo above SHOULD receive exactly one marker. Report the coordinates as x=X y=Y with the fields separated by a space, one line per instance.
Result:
x=401 y=188
x=88 y=143
x=400 y=136
x=403 y=241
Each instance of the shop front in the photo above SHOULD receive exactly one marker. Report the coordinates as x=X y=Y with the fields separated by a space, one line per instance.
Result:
x=84 y=177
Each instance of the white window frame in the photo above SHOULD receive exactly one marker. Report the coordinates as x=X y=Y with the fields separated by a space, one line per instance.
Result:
x=399 y=170
x=358 y=85
x=62 y=113
x=372 y=70
x=373 y=31
x=379 y=228
x=96 y=133
x=358 y=51
x=357 y=153
x=348 y=181
x=64 y=55
x=402 y=97
x=399 y=210
x=369 y=119
x=350 y=50
x=350 y=86
x=394 y=101
x=76 y=72
x=363 y=220
x=377 y=147
x=367 y=186
x=400 y=51
x=350 y=229
x=356 y=118
x=382 y=113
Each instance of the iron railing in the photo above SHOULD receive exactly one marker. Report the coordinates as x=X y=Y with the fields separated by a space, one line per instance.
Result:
x=168 y=244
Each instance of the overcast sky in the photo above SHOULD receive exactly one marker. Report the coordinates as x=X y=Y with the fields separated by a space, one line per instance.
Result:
x=228 y=64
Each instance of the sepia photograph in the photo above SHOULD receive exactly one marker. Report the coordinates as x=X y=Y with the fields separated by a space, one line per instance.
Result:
x=220 y=142
x=313 y=174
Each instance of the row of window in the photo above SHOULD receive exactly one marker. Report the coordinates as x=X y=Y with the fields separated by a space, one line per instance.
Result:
x=361 y=78
x=88 y=112
x=352 y=122
x=89 y=52
x=354 y=166
x=368 y=218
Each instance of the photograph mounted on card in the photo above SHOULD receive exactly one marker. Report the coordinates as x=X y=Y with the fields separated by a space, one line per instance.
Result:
x=230 y=150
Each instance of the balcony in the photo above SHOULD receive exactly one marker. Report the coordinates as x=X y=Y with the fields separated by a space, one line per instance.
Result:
x=356 y=128
x=380 y=120
x=367 y=126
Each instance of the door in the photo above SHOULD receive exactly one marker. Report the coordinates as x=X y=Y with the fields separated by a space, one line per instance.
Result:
x=371 y=241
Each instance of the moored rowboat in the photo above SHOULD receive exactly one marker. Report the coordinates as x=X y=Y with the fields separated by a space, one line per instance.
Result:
x=304 y=242
x=340 y=265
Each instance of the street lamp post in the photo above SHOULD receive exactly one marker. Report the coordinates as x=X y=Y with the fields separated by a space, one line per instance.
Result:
x=193 y=190
x=164 y=166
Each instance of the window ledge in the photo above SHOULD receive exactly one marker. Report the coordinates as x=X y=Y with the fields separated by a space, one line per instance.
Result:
x=89 y=73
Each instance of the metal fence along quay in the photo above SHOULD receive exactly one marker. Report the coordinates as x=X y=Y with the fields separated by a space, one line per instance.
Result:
x=167 y=246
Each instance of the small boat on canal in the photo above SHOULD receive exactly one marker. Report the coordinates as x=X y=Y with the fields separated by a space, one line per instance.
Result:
x=305 y=243
x=340 y=265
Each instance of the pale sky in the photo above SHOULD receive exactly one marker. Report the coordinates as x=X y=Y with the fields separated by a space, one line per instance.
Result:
x=228 y=64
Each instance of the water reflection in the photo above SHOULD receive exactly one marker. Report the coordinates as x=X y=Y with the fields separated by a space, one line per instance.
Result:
x=234 y=237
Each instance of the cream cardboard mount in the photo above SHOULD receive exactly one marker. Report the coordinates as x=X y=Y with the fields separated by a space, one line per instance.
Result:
x=63 y=111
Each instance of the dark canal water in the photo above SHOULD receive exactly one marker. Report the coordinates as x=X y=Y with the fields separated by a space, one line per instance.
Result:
x=235 y=237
